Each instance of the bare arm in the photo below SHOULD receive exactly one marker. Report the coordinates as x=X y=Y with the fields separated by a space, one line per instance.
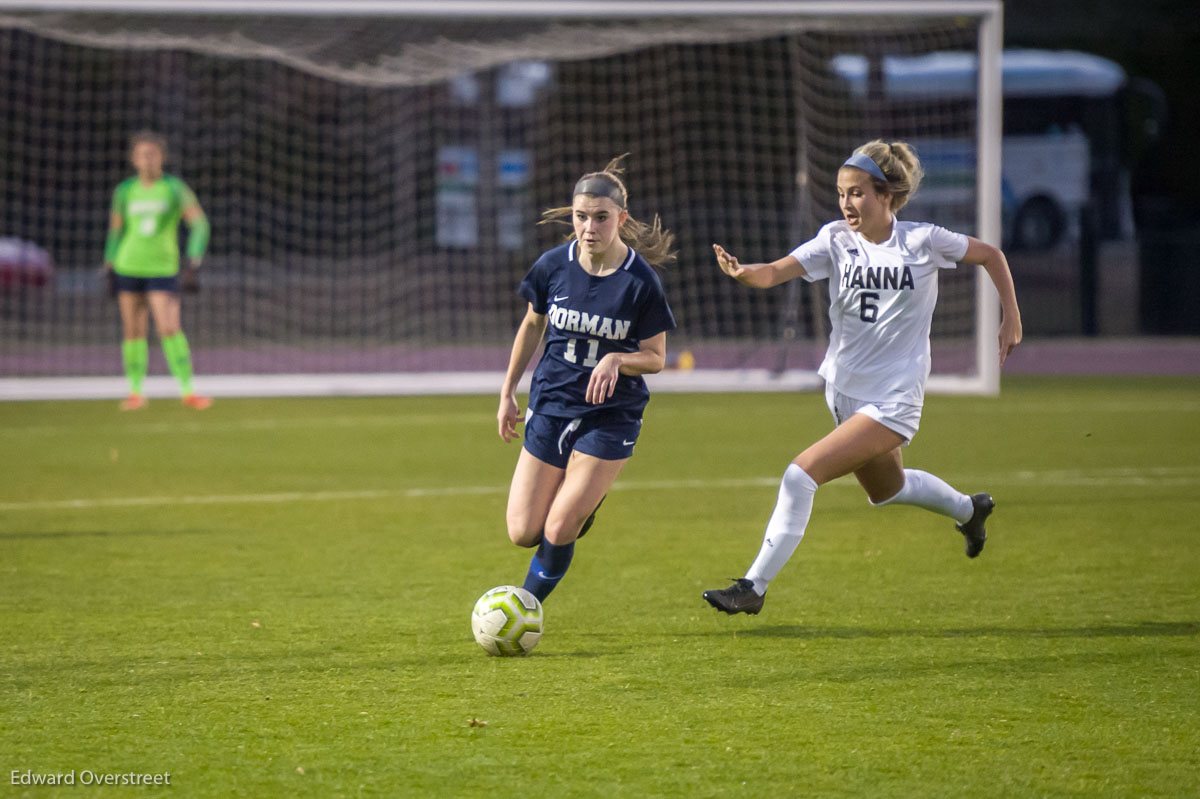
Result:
x=759 y=276
x=650 y=359
x=529 y=335
x=996 y=265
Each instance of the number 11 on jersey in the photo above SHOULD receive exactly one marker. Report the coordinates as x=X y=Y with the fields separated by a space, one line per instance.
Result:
x=593 y=349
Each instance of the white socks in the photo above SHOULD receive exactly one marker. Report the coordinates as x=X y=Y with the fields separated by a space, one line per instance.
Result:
x=932 y=493
x=794 y=507
x=786 y=527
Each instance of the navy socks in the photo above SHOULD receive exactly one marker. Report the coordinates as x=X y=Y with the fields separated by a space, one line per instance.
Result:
x=547 y=567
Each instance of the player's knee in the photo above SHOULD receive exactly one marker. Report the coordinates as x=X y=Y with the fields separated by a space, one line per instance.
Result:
x=563 y=530
x=525 y=538
x=523 y=534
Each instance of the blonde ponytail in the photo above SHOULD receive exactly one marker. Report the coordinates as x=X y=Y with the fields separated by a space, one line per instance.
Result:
x=900 y=165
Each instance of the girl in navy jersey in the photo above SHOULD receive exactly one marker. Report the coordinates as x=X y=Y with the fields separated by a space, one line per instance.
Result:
x=882 y=290
x=600 y=306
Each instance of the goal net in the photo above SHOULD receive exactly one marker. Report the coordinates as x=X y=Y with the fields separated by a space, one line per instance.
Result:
x=373 y=177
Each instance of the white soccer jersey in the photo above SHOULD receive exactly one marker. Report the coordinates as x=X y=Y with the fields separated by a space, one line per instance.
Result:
x=881 y=300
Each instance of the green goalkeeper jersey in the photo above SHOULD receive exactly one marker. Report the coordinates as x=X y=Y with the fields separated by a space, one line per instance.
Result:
x=150 y=238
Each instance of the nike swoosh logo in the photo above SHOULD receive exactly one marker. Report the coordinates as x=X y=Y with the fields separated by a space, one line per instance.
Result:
x=628 y=443
x=543 y=575
x=563 y=297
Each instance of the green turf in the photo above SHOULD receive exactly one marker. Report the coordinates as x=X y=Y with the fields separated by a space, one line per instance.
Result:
x=272 y=598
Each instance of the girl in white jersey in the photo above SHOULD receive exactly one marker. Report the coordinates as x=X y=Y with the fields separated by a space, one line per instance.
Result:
x=882 y=290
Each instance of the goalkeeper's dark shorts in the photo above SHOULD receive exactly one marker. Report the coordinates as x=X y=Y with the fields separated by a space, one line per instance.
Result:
x=140 y=285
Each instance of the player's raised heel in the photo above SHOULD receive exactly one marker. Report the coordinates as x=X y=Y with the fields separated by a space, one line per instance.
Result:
x=134 y=402
x=737 y=598
x=196 y=403
x=972 y=529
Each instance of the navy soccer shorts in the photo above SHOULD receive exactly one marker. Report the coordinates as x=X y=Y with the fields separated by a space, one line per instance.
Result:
x=140 y=285
x=608 y=435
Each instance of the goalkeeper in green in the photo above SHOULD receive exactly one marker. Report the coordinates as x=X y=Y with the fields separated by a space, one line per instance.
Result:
x=141 y=262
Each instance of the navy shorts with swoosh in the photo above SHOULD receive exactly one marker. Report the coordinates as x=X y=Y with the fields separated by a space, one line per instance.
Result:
x=608 y=435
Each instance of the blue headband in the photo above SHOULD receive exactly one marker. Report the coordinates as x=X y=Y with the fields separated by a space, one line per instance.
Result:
x=867 y=164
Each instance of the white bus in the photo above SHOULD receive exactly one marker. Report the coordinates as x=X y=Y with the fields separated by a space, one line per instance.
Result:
x=1065 y=139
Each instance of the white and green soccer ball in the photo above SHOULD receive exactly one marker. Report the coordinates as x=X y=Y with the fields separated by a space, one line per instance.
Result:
x=507 y=621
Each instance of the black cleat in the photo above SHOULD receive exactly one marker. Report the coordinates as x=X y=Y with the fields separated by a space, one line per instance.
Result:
x=590 y=520
x=737 y=598
x=972 y=529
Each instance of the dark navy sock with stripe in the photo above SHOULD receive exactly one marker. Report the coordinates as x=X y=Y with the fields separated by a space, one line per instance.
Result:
x=547 y=567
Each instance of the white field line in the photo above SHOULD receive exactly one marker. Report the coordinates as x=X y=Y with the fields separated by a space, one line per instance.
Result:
x=484 y=419
x=307 y=423
x=1181 y=476
x=1093 y=409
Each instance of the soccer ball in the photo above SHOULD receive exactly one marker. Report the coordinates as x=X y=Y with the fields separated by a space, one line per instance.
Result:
x=507 y=621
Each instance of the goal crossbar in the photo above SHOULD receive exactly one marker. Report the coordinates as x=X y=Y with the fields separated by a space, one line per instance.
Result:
x=528 y=8
x=987 y=15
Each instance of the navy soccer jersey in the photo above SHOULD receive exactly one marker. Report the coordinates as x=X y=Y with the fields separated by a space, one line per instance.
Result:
x=587 y=318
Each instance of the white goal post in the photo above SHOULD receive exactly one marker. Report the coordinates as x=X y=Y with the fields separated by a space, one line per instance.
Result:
x=374 y=169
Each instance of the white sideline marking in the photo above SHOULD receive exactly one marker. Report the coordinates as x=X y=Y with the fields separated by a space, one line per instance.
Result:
x=1166 y=476
x=487 y=420
x=1024 y=406
x=307 y=423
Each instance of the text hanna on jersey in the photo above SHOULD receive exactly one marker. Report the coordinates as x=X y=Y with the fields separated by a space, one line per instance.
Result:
x=876 y=277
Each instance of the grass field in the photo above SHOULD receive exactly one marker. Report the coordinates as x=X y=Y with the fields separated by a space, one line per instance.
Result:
x=272 y=598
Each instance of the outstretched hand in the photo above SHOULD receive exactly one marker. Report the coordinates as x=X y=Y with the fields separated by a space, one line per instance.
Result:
x=729 y=264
